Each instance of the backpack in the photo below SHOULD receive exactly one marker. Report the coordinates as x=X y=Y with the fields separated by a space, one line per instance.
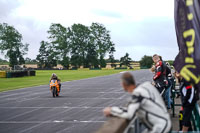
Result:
x=168 y=71
x=164 y=68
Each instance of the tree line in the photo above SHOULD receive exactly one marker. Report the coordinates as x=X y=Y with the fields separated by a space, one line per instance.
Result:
x=78 y=45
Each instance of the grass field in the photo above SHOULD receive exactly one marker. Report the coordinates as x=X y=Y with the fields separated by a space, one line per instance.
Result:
x=43 y=76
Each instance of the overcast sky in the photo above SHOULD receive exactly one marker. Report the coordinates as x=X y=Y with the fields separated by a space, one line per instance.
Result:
x=139 y=27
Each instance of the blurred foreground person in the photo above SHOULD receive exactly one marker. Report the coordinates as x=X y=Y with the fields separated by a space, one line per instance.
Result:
x=146 y=103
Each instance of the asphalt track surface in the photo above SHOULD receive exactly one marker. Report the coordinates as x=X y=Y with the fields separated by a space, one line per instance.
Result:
x=77 y=110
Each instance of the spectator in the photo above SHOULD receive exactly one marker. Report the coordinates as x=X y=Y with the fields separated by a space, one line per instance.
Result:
x=152 y=69
x=170 y=82
x=160 y=74
x=188 y=101
x=146 y=103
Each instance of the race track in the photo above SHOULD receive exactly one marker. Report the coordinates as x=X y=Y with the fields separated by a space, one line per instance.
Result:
x=77 y=110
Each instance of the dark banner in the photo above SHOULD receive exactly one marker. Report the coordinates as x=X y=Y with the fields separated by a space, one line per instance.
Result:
x=187 y=23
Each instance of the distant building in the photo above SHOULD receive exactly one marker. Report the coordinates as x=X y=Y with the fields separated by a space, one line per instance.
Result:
x=117 y=64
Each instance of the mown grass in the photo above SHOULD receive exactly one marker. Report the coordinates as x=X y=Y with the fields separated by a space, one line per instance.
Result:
x=42 y=77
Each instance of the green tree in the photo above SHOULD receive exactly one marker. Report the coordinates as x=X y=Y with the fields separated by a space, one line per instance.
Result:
x=87 y=46
x=79 y=40
x=92 y=56
x=27 y=60
x=111 y=57
x=11 y=44
x=75 y=60
x=59 y=38
x=146 y=61
x=46 y=56
x=30 y=61
x=125 y=60
x=102 y=41
x=65 y=62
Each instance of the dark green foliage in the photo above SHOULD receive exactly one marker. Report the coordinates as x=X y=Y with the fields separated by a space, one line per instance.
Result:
x=86 y=45
x=30 y=61
x=102 y=41
x=80 y=41
x=46 y=56
x=65 y=62
x=111 y=57
x=146 y=61
x=102 y=62
x=59 y=39
x=125 y=60
x=11 y=44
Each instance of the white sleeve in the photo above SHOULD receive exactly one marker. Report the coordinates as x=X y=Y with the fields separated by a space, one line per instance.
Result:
x=123 y=113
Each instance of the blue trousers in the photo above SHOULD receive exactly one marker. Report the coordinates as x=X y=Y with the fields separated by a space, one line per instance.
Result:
x=168 y=94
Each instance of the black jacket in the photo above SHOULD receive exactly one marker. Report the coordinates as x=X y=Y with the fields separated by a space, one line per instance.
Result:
x=188 y=97
x=160 y=77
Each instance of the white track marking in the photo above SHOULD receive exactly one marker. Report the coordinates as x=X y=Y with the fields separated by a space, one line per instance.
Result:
x=42 y=122
x=25 y=130
x=39 y=98
x=123 y=72
x=22 y=114
x=23 y=88
x=51 y=107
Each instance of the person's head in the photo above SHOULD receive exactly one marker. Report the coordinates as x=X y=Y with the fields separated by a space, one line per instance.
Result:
x=128 y=82
x=53 y=75
x=156 y=58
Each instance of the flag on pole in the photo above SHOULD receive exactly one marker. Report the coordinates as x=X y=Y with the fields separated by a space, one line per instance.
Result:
x=187 y=23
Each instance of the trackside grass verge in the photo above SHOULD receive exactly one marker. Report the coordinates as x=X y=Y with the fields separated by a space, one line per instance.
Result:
x=43 y=76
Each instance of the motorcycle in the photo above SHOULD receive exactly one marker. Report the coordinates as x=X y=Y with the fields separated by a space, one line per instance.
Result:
x=54 y=87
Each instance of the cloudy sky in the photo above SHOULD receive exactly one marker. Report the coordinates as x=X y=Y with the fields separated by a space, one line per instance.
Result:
x=139 y=27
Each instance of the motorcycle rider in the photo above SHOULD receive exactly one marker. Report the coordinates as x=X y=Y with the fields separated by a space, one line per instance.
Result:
x=146 y=103
x=55 y=77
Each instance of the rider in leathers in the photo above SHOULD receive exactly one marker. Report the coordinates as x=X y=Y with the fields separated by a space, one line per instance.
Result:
x=55 y=77
x=160 y=77
x=147 y=104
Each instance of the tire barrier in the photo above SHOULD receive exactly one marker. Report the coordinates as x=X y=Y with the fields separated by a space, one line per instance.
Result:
x=118 y=68
x=95 y=68
x=2 y=74
x=14 y=74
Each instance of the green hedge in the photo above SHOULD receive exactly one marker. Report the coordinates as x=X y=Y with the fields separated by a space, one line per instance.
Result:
x=95 y=68
x=13 y=74
x=117 y=68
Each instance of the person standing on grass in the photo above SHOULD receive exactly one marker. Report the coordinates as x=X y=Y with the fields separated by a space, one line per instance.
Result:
x=146 y=103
